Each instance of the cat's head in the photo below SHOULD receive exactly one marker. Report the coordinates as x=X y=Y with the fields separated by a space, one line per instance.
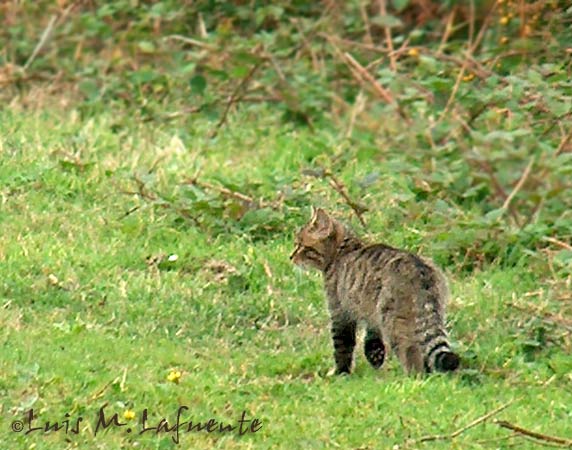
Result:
x=317 y=242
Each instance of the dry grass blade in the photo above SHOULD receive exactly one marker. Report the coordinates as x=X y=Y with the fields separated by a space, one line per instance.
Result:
x=191 y=41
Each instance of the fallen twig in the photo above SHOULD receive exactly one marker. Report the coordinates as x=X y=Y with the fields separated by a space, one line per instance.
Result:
x=226 y=192
x=532 y=434
x=454 y=434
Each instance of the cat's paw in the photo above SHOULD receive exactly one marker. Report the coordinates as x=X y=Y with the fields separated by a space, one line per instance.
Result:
x=375 y=353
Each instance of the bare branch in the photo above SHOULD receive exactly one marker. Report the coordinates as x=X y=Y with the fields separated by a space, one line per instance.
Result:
x=454 y=434
x=539 y=436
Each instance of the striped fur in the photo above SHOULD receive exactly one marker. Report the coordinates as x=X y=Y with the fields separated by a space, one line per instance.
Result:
x=400 y=296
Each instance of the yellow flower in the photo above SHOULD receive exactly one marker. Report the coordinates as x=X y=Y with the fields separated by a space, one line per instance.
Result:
x=504 y=20
x=129 y=415
x=469 y=77
x=414 y=52
x=503 y=40
x=174 y=376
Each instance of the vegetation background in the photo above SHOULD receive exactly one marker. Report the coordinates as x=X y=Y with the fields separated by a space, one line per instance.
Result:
x=156 y=158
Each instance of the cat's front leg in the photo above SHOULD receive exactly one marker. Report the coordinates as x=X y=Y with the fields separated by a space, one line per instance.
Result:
x=344 y=336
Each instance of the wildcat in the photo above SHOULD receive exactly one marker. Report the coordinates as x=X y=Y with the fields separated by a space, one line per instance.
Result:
x=399 y=296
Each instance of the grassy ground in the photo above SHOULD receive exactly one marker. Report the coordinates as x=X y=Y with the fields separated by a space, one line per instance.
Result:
x=97 y=311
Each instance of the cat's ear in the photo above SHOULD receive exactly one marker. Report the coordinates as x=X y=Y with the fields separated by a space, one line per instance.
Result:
x=322 y=224
x=313 y=218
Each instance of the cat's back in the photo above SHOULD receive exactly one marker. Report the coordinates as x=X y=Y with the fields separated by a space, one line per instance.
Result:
x=367 y=275
x=357 y=278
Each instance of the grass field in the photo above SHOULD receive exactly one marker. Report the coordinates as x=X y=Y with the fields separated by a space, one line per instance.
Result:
x=98 y=312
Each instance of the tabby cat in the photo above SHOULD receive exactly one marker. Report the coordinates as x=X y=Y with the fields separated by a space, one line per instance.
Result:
x=399 y=296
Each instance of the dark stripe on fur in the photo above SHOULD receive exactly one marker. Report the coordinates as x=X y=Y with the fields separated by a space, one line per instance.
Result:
x=436 y=347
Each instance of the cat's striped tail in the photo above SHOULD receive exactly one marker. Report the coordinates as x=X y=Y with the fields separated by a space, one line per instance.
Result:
x=437 y=354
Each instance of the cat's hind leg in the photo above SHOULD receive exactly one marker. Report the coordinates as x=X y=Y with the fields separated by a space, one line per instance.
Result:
x=373 y=348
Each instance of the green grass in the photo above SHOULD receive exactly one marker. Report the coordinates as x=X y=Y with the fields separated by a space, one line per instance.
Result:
x=86 y=320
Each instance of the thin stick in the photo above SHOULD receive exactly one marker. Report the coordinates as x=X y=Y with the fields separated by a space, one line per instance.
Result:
x=558 y=242
x=563 y=143
x=358 y=107
x=222 y=190
x=348 y=42
x=474 y=423
x=448 y=30
x=340 y=189
x=483 y=29
x=533 y=434
x=47 y=34
x=365 y=19
x=234 y=98
x=520 y=183
x=455 y=89
x=388 y=38
x=485 y=165
x=469 y=55
x=383 y=93
x=43 y=39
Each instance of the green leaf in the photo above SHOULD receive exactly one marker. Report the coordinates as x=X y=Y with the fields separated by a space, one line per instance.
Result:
x=557 y=107
x=494 y=215
x=198 y=84
x=400 y=5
